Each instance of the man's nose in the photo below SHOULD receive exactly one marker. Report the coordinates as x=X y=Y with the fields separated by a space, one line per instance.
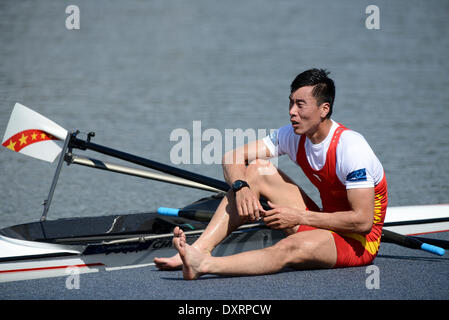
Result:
x=293 y=111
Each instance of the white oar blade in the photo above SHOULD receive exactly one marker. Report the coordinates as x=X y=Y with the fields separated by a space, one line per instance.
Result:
x=32 y=134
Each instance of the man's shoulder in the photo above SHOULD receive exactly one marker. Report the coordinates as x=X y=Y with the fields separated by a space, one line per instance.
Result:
x=352 y=142
x=354 y=147
x=350 y=137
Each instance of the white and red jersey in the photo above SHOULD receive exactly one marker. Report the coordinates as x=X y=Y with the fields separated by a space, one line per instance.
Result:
x=356 y=164
x=342 y=161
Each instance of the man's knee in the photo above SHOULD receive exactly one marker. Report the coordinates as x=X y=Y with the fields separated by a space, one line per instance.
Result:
x=259 y=171
x=297 y=251
x=292 y=250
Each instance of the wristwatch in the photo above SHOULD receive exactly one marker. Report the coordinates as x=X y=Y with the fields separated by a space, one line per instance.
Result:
x=239 y=184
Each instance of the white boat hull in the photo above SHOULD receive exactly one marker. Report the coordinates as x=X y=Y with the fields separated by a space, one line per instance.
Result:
x=24 y=260
x=35 y=268
x=416 y=220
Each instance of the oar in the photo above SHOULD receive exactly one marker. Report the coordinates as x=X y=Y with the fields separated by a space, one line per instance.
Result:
x=102 y=165
x=410 y=242
x=387 y=235
x=437 y=242
x=197 y=215
x=214 y=183
x=30 y=133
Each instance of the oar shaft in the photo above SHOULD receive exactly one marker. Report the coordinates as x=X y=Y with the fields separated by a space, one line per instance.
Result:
x=83 y=145
x=410 y=242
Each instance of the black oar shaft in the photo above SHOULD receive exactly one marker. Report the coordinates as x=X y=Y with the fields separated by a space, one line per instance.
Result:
x=83 y=145
x=436 y=242
x=410 y=242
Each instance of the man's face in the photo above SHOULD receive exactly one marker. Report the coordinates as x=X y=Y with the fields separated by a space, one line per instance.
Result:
x=305 y=114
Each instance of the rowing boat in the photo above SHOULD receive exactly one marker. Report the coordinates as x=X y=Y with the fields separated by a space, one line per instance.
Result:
x=91 y=244
x=52 y=248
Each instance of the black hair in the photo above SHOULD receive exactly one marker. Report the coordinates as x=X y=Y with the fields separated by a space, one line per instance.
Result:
x=324 y=87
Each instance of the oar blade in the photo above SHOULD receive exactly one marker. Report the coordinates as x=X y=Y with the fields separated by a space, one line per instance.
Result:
x=32 y=134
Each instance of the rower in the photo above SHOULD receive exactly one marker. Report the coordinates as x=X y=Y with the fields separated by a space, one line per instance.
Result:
x=345 y=232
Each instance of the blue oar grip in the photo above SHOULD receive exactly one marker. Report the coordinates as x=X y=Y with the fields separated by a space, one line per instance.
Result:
x=168 y=211
x=432 y=249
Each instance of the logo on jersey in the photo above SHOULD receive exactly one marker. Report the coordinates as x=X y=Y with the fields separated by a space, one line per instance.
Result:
x=357 y=175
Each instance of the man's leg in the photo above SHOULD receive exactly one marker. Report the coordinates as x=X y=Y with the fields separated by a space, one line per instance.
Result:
x=224 y=221
x=304 y=250
x=265 y=180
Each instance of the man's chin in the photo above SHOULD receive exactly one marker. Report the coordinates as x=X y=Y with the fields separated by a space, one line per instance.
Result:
x=298 y=130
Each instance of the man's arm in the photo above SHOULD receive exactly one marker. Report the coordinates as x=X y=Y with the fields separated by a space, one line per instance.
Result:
x=234 y=167
x=235 y=161
x=359 y=219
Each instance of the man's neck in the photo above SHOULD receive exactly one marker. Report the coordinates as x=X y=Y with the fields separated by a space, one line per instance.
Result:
x=321 y=133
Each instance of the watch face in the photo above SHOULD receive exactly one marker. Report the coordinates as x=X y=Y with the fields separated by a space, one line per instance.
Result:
x=238 y=184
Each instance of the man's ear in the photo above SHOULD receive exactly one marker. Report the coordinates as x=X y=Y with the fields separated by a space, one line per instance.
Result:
x=325 y=108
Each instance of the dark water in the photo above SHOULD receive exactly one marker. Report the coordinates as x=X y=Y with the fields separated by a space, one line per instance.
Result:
x=137 y=70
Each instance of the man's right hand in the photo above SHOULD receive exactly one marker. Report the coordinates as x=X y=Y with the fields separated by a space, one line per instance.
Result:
x=248 y=205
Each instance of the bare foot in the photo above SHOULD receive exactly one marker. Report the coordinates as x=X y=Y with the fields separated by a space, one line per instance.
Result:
x=191 y=256
x=172 y=263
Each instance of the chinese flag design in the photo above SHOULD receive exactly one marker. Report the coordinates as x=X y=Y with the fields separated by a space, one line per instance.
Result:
x=24 y=138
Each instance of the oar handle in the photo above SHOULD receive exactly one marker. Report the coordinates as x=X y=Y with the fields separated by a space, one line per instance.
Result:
x=197 y=215
x=165 y=211
x=432 y=249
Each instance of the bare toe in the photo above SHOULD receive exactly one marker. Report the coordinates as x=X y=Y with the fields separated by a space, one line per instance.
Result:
x=171 y=263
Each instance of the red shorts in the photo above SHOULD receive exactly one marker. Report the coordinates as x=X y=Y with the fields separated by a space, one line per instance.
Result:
x=350 y=252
